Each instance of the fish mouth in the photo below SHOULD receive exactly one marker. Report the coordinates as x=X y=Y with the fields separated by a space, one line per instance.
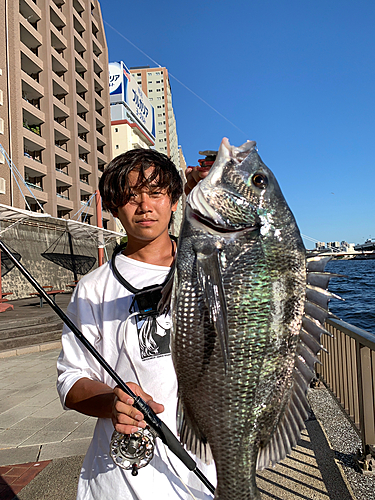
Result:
x=221 y=228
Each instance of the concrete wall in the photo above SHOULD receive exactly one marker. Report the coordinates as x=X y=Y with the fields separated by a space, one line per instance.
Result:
x=30 y=241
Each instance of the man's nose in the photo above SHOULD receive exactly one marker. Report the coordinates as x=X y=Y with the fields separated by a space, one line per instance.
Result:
x=144 y=202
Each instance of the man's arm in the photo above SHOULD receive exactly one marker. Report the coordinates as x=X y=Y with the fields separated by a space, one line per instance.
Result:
x=97 y=399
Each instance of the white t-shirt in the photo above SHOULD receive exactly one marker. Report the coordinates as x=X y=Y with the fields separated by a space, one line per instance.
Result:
x=100 y=308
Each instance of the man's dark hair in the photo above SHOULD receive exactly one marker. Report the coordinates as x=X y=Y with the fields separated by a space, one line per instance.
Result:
x=114 y=183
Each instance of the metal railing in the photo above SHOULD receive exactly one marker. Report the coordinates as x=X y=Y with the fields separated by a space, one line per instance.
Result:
x=349 y=371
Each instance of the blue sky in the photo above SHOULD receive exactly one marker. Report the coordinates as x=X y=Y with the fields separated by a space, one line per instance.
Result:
x=298 y=77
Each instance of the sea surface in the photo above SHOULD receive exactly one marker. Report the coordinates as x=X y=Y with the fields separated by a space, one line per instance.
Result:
x=358 y=290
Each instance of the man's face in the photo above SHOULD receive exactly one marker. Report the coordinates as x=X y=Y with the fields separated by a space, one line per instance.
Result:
x=147 y=214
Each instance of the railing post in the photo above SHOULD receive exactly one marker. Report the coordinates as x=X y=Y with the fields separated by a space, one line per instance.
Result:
x=360 y=395
x=368 y=397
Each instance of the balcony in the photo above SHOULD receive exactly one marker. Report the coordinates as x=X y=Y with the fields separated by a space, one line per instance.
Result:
x=30 y=88
x=99 y=104
x=62 y=156
x=60 y=110
x=58 y=40
x=33 y=163
x=60 y=88
x=98 y=66
x=79 y=6
x=83 y=127
x=57 y=17
x=62 y=134
x=81 y=85
x=79 y=43
x=85 y=168
x=32 y=116
x=97 y=47
x=30 y=63
x=80 y=64
x=29 y=35
x=30 y=11
x=83 y=146
x=83 y=157
x=78 y=23
x=82 y=105
x=102 y=158
x=100 y=139
x=59 y=65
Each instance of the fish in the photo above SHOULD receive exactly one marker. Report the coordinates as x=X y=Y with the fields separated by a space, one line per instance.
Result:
x=247 y=316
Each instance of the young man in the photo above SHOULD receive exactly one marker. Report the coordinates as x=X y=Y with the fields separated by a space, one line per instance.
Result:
x=141 y=188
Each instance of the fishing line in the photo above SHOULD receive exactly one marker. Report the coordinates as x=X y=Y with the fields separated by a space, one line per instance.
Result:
x=177 y=80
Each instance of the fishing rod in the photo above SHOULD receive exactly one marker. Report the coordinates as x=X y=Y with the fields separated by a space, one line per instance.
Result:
x=153 y=421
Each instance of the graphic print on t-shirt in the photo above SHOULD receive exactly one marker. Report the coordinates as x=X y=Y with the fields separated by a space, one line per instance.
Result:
x=154 y=336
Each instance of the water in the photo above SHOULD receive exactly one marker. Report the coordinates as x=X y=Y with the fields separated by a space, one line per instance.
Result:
x=358 y=290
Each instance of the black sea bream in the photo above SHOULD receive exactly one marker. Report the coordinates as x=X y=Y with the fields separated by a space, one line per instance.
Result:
x=243 y=362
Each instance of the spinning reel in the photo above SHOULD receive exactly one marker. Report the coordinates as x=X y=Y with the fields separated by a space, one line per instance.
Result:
x=133 y=451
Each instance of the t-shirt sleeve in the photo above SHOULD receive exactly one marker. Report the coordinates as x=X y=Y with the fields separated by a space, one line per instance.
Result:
x=74 y=361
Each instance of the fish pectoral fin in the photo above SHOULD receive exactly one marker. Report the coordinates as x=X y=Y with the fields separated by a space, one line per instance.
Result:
x=191 y=437
x=211 y=282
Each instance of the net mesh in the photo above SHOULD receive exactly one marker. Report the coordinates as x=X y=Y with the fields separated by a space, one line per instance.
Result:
x=6 y=264
x=63 y=253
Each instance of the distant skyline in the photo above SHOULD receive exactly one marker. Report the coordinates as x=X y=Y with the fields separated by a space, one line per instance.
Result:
x=297 y=77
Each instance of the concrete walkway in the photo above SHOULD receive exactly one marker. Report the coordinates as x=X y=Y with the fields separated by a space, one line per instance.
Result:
x=48 y=443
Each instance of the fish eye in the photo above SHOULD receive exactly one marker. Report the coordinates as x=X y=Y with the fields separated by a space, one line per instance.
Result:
x=260 y=181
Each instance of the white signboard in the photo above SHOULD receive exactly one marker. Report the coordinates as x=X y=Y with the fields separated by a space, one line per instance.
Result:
x=124 y=88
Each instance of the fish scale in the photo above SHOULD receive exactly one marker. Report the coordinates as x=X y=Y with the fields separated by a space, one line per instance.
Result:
x=238 y=302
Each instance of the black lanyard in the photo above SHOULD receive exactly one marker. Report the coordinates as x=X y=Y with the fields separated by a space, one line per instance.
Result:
x=147 y=298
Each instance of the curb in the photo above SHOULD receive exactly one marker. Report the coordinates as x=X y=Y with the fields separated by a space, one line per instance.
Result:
x=33 y=348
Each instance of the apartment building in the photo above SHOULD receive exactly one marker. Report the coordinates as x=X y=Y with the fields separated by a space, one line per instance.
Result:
x=54 y=104
x=155 y=84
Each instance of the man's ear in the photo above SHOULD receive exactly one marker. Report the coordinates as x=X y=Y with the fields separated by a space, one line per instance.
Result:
x=114 y=213
x=174 y=206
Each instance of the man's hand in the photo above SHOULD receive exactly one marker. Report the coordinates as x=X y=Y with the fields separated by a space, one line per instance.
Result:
x=193 y=176
x=127 y=419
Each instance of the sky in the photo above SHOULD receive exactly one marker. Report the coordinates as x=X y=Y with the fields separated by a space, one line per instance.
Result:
x=296 y=76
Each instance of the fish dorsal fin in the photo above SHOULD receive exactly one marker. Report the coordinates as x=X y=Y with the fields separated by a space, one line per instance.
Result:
x=191 y=437
x=291 y=423
x=211 y=282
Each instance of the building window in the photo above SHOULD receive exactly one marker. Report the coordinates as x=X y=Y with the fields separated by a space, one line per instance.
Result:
x=116 y=129
x=139 y=74
x=159 y=106
x=1 y=126
x=157 y=73
x=149 y=82
x=160 y=123
x=117 y=146
x=150 y=99
x=158 y=98
x=149 y=74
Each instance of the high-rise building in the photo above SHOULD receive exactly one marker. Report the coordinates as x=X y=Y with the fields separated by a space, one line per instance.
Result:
x=54 y=103
x=155 y=84
x=133 y=116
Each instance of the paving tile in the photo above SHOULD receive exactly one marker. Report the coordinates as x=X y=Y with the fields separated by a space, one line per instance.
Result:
x=85 y=430
x=19 y=455
x=42 y=399
x=14 y=437
x=65 y=449
x=36 y=423
x=14 y=415
x=52 y=410
x=9 y=402
x=43 y=436
x=68 y=421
